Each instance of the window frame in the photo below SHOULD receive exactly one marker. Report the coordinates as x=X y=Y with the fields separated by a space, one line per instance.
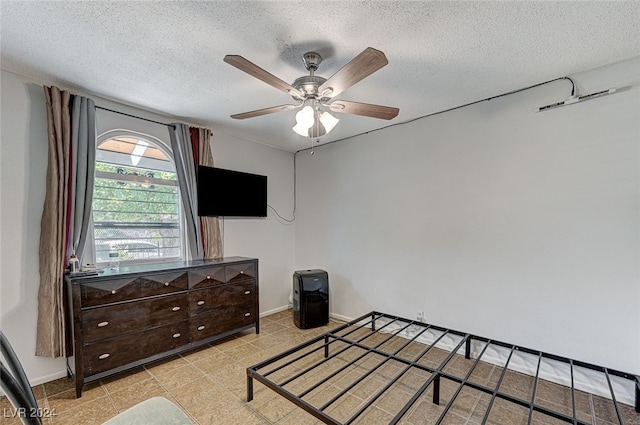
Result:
x=165 y=148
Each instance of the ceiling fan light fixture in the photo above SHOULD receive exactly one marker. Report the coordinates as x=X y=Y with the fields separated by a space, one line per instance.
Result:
x=321 y=125
x=305 y=117
x=301 y=130
x=314 y=131
x=328 y=121
x=317 y=131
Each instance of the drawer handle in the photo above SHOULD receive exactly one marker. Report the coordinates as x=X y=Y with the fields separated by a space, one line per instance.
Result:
x=102 y=324
x=247 y=314
x=208 y=277
x=200 y=302
x=176 y=335
x=200 y=328
x=175 y=308
x=113 y=292
x=247 y=292
x=166 y=284
x=103 y=356
x=241 y=271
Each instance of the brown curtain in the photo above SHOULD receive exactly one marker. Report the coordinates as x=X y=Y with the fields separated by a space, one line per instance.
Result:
x=209 y=226
x=54 y=227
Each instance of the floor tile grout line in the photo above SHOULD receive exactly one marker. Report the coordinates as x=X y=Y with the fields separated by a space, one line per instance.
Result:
x=113 y=403
x=593 y=410
x=175 y=400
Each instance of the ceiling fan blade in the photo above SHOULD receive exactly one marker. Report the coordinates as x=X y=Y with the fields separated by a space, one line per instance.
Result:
x=255 y=71
x=264 y=111
x=363 y=65
x=364 y=109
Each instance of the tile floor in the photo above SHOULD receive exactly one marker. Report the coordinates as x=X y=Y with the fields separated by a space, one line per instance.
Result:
x=209 y=384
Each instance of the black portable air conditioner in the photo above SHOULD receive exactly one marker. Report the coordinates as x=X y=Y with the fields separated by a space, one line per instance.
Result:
x=310 y=298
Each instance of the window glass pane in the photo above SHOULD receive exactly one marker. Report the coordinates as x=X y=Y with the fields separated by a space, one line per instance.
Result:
x=136 y=213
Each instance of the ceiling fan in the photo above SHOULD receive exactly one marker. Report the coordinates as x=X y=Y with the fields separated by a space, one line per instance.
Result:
x=314 y=94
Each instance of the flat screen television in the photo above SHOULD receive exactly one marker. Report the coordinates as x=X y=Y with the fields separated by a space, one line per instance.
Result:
x=229 y=193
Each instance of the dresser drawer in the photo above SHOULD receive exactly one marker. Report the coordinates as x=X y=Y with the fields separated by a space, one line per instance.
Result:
x=166 y=338
x=116 y=352
x=221 y=320
x=112 y=353
x=206 y=276
x=239 y=272
x=110 y=291
x=205 y=300
x=106 y=322
x=164 y=283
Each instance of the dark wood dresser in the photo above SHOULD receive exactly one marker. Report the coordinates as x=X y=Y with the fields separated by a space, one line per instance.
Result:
x=139 y=314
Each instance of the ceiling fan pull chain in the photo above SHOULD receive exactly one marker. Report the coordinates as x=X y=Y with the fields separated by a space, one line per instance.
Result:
x=311 y=140
x=315 y=123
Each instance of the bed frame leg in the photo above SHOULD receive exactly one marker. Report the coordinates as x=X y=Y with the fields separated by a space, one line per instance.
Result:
x=373 y=322
x=326 y=346
x=249 y=388
x=467 y=349
x=638 y=396
x=436 y=390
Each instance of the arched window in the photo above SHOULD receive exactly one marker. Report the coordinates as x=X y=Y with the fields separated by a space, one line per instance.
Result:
x=136 y=203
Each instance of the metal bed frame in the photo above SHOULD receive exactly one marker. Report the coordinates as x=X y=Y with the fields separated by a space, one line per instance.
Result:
x=367 y=336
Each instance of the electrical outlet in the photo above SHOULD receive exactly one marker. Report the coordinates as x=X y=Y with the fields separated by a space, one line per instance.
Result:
x=420 y=316
x=411 y=330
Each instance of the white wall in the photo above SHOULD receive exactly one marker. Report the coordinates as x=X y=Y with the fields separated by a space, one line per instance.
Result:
x=271 y=239
x=23 y=152
x=492 y=219
x=22 y=190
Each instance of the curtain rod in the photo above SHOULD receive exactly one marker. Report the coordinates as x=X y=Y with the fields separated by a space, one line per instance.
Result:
x=134 y=116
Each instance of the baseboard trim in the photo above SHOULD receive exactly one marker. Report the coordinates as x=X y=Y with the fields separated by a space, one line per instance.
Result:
x=275 y=310
x=49 y=378
x=340 y=317
x=44 y=379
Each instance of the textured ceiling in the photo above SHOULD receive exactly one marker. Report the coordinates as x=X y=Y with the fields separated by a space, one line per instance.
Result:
x=167 y=56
